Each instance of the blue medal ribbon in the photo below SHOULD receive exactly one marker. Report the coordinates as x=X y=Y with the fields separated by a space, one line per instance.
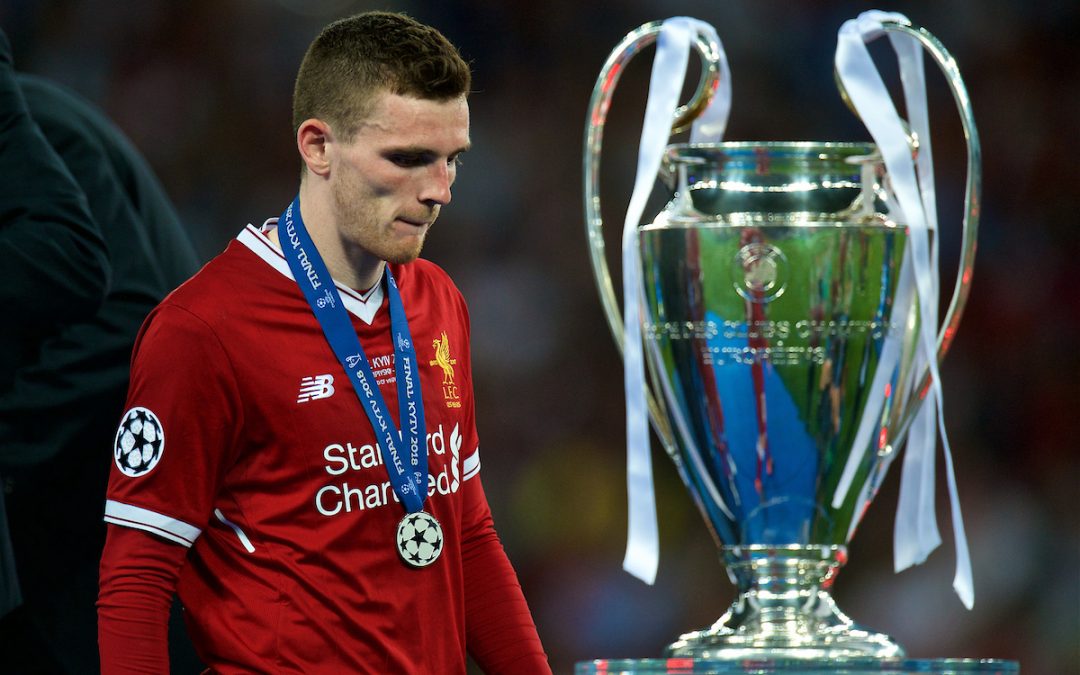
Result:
x=408 y=475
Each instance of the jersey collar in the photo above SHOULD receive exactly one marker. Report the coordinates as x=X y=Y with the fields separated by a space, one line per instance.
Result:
x=363 y=305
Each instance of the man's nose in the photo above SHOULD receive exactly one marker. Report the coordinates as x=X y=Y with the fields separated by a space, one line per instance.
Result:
x=436 y=185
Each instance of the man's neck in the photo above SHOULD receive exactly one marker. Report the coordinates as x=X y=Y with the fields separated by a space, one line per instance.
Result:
x=356 y=269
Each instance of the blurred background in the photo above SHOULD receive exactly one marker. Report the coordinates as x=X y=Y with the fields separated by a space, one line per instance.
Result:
x=203 y=88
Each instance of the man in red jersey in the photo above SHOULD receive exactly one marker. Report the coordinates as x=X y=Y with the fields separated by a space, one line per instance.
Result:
x=299 y=458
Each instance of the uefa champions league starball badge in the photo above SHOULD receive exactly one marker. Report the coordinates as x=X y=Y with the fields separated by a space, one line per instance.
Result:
x=419 y=539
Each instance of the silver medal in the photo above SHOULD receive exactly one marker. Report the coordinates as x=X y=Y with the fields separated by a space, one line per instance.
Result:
x=419 y=539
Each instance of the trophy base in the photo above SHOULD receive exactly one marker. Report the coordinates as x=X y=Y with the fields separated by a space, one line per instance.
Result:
x=833 y=643
x=784 y=611
x=791 y=667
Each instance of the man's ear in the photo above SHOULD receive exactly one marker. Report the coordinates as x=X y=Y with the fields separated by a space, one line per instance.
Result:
x=312 y=138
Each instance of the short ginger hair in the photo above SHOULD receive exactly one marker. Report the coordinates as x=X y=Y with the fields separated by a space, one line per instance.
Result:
x=354 y=59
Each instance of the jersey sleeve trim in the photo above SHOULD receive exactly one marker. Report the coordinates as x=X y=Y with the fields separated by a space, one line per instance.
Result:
x=471 y=466
x=139 y=518
x=248 y=546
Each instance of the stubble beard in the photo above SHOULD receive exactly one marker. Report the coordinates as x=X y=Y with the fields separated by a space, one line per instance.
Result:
x=359 y=226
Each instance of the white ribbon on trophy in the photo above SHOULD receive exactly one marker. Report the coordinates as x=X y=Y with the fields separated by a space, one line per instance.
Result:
x=912 y=184
x=665 y=86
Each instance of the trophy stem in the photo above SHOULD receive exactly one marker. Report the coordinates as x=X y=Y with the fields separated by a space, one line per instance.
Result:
x=784 y=610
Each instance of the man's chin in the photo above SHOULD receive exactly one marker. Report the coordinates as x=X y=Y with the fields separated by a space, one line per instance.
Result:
x=403 y=257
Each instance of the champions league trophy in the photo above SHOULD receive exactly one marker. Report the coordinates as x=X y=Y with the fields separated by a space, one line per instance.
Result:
x=783 y=298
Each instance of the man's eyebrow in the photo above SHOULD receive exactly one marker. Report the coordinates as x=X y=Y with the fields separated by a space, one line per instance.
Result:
x=421 y=150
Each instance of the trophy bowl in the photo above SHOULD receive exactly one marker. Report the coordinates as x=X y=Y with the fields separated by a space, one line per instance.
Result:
x=769 y=286
x=780 y=325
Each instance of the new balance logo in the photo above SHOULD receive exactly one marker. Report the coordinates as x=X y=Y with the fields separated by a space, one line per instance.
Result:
x=315 y=387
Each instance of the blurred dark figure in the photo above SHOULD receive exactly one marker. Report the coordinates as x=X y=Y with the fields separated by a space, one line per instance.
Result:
x=89 y=244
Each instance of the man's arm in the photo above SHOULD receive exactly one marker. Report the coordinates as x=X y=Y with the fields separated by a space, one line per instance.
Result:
x=139 y=572
x=54 y=255
x=193 y=414
x=500 y=633
x=79 y=375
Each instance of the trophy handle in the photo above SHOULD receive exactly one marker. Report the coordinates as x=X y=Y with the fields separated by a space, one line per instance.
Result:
x=599 y=104
x=972 y=195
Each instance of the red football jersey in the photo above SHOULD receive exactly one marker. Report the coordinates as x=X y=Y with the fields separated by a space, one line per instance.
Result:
x=245 y=441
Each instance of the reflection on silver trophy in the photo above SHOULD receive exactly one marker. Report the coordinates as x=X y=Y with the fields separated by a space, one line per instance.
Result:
x=781 y=325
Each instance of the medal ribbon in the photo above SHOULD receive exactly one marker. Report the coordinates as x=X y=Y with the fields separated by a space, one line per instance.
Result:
x=669 y=70
x=408 y=475
x=912 y=183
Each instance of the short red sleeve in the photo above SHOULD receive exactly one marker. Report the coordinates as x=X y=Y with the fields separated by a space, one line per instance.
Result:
x=179 y=429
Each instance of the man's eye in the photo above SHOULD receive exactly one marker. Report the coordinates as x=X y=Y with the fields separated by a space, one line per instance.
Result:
x=408 y=161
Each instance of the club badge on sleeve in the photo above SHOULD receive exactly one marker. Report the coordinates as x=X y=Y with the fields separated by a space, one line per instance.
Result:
x=139 y=442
